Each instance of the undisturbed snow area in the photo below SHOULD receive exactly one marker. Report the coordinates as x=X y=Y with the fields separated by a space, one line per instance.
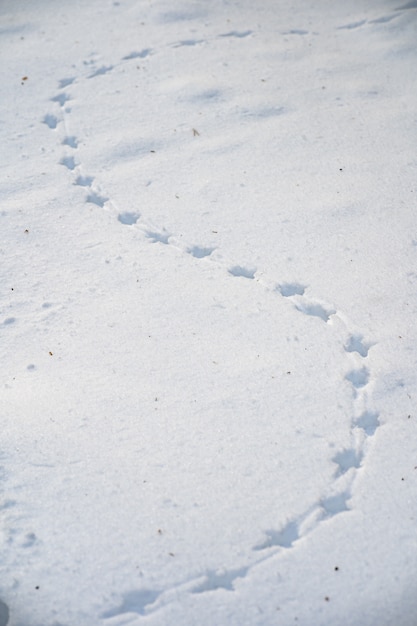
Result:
x=208 y=337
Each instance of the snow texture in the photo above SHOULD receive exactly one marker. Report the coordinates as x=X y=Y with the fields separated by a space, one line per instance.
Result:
x=207 y=317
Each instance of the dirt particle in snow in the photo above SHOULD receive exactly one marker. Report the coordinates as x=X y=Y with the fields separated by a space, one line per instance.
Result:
x=195 y=132
x=50 y=353
x=336 y=569
x=327 y=598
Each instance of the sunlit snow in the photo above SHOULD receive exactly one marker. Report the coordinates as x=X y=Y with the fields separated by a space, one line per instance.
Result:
x=208 y=338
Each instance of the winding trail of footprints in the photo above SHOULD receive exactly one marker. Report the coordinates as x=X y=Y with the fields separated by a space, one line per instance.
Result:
x=364 y=420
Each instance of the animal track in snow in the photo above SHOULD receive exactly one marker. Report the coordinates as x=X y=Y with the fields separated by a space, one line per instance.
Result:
x=134 y=602
x=51 y=121
x=335 y=504
x=100 y=71
x=68 y=162
x=84 y=181
x=61 y=98
x=378 y=20
x=304 y=524
x=96 y=198
x=128 y=218
x=356 y=343
x=200 y=252
x=316 y=309
x=223 y=579
x=8 y=321
x=65 y=82
x=359 y=378
x=155 y=237
x=138 y=55
x=240 y=271
x=70 y=141
x=383 y=20
x=349 y=460
x=346 y=459
x=352 y=25
x=188 y=42
x=291 y=289
x=364 y=420
x=368 y=421
x=296 y=31
x=283 y=538
x=238 y=34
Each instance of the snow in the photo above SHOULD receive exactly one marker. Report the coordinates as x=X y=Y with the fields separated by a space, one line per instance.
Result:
x=207 y=319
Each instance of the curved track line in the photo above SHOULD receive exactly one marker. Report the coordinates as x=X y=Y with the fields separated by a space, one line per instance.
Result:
x=364 y=420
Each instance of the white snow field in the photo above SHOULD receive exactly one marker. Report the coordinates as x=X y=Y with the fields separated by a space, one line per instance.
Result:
x=208 y=314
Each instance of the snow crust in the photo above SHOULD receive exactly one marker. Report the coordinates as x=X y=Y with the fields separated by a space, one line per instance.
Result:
x=208 y=269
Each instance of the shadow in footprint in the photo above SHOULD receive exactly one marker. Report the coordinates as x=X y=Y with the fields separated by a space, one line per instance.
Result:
x=346 y=459
x=220 y=580
x=64 y=82
x=296 y=31
x=128 y=218
x=283 y=538
x=51 y=121
x=134 y=602
x=200 y=252
x=244 y=272
x=101 y=70
x=69 y=162
x=61 y=98
x=236 y=33
x=138 y=55
x=335 y=504
x=188 y=42
x=352 y=25
x=291 y=289
x=315 y=309
x=155 y=237
x=95 y=198
x=384 y=19
x=8 y=321
x=84 y=181
x=70 y=141
x=356 y=344
x=358 y=378
x=369 y=422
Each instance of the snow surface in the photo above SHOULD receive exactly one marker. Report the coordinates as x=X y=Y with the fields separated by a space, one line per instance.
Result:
x=208 y=313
